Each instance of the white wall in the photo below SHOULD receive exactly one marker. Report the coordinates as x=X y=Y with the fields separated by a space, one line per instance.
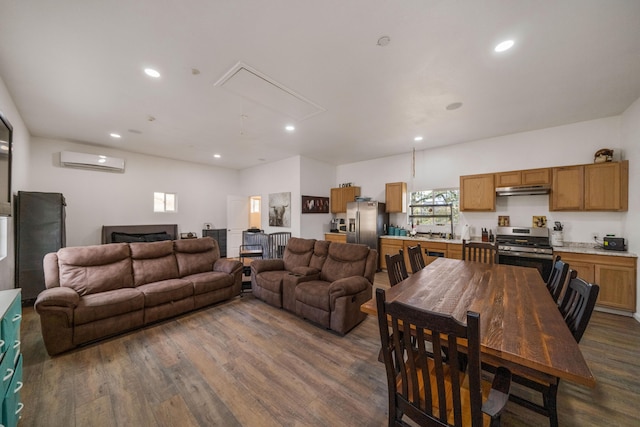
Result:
x=316 y=179
x=441 y=168
x=19 y=178
x=277 y=177
x=96 y=198
x=630 y=135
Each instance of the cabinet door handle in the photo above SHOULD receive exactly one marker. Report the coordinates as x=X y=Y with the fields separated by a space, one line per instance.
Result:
x=18 y=387
x=16 y=318
x=9 y=374
x=20 y=407
x=16 y=344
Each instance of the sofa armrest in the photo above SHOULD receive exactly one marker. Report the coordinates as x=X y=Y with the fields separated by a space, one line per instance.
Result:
x=260 y=265
x=57 y=297
x=225 y=265
x=347 y=286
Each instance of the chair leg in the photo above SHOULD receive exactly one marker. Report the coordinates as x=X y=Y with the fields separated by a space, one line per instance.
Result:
x=551 y=403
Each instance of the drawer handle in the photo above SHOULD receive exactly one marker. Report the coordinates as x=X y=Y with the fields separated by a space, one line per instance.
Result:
x=17 y=317
x=19 y=385
x=20 y=408
x=1 y=343
x=16 y=344
x=9 y=374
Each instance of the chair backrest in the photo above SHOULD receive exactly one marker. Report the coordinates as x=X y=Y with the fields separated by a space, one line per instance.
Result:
x=556 y=258
x=416 y=260
x=577 y=305
x=396 y=268
x=480 y=252
x=557 y=279
x=277 y=243
x=411 y=366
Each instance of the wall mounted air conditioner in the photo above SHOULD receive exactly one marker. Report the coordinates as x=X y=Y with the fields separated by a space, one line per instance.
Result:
x=91 y=161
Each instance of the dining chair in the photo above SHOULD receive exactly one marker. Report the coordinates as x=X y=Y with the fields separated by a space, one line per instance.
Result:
x=416 y=260
x=576 y=308
x=480 y=252
x=423 y=385
x=396 y=268
x=557 y=279
x=556 y=258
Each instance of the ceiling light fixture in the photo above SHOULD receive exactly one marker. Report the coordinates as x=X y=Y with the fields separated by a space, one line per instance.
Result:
x=454 y=106
x=151 y=73
x=217 y=156
x=115 y=135
x=290 y=128
x=417 y=138
x=505 y=45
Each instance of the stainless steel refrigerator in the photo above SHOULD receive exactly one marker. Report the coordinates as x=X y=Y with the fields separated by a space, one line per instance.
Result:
x=366 y=222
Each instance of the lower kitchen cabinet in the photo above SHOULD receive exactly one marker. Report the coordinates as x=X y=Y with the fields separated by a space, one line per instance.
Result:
x=391 y=247
x=431 y=250
x=334 y=237
x=616 y=276
x=10 y=357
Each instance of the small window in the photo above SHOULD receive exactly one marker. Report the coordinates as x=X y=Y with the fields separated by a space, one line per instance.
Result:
x=435 y=207
x=165 y=202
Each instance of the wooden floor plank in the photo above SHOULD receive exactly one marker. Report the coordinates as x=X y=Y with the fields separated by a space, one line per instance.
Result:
x=245 y=363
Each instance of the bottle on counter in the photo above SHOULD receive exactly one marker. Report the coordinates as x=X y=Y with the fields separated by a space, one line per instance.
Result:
x=491 y=236
x=485 y=235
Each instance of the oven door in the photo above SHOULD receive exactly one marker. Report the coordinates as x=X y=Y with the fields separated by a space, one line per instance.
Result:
x=544 y=263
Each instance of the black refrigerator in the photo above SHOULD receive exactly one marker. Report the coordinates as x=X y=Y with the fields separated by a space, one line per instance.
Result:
x=39 y=229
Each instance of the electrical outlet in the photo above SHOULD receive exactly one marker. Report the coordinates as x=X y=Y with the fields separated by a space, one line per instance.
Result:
x=596 y=236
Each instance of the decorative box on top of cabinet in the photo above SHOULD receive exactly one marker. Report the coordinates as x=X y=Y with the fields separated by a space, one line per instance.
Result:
x=396 y=197
x=220 y=236
x=10 y=357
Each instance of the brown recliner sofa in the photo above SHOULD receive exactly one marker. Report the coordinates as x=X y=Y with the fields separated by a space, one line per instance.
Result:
x=327 y=290
x=98 y=291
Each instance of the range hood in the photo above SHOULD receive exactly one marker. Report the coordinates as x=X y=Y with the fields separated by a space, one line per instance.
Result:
x=525 y=190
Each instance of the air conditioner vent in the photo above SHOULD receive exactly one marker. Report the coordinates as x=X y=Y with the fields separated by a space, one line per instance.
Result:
x=70 y=159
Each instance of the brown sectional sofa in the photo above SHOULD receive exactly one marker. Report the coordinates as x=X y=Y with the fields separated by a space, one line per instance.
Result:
x=325 y=282
x=98 y=291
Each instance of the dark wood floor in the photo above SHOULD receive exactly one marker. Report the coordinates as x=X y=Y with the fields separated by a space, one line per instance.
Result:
x=245 y=363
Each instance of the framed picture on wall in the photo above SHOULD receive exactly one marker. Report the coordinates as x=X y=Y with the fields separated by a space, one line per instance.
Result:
x=315 y=204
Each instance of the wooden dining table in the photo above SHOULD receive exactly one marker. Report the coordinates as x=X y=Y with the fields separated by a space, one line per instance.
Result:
x=521 y=327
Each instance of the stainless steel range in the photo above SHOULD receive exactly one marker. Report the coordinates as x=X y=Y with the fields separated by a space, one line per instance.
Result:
x=525 y=246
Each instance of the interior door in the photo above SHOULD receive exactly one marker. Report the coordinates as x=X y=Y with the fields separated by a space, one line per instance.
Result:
x=237 y=221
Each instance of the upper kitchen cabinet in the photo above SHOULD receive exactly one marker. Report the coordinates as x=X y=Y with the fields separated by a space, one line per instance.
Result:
x=523 y=177
x=478 y=193
x=606 y=186
x=396 y=197
x=567 y=189
x=341 y=196
x=592 y=187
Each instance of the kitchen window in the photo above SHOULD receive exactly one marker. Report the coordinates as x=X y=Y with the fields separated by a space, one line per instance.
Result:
x=434 y=207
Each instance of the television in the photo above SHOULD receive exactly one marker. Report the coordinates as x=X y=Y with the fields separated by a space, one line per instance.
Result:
x=6 y=133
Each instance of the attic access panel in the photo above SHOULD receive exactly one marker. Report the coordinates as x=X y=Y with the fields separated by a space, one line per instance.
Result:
x=253 y=85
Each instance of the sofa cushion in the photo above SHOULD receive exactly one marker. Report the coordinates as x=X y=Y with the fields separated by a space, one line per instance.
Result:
x=153 y=262
x=166 y=291
x=320 y=252
x=314 y=293
x=344 y=260
x=209 y=281
x=196 y=255
x=107 y=304
x=95 y=269
x=298 y=253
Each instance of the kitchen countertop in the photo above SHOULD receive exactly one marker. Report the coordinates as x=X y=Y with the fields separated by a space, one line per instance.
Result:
x=423 y=239
x=589 y=248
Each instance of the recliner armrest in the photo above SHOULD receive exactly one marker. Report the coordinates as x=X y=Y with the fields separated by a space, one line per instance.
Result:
x=347 y=286
x=260 y=265
x=57 y=297
x=225 y=265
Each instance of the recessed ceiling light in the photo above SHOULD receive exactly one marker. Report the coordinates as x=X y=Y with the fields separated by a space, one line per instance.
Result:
x=290 y=128
x=115 y=135
x=102 y=159
x=454 y=106
x=505 y=45
x=417 y=138
x=217 y=156
x=151 y=72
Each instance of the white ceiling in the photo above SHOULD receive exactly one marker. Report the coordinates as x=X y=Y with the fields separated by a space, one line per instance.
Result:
x=75 y=71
